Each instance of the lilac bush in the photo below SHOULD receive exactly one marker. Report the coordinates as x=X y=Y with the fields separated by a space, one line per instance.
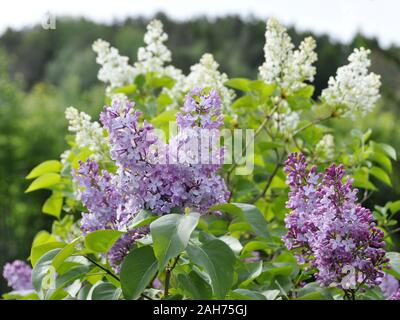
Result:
x=142 y=216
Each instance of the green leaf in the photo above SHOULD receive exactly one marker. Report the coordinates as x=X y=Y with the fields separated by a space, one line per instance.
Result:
x=137 y=270
x=45 y=167
x=53 y=205
x=129 y=89
x=249 y=213
x=381 y=175
x=143 y=218
x=245 y=294
x=65 y=279
x=164 y=118
x=305 y=92
x=171 y=234
x=361 y=180
x=159 y=82
x=102 y=240
x=40 y=272
x=383 y=160
x=364 y=184
x=244 y=102
x=299 y=103
x=271 y=294
x=286 y=269
x=248 y=271
x=394 y=263
x=65 y=253
x=263 y=89
x=255 y=245
x=140 y=80
x=266 y=145
x=104 y=291
x=313 y=291
x=394 y=207
x=43 y=237
x=218 y=260
x=39 y=250
x=20 y=295
x=242 y=84
x=233 y=243
x=164 y=100
x=312 y=296
x=227 y=207
x=195 y=286
x=256 y=219
x=218 y=227
x=46 y=180
x=385 y=148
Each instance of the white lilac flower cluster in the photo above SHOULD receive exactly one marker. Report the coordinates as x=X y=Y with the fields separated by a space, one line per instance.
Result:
x=206 y=74
x=115 y=69
x=154 y=58
x=325 y=148
x=353 y=91
x=155 y=55
x=88 y=133
x=283 y=65
x=289 y=69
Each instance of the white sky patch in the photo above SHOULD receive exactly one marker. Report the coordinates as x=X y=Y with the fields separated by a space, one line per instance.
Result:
x=341 y=19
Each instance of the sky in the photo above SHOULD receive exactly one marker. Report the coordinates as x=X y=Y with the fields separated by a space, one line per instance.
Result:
x=339 y=18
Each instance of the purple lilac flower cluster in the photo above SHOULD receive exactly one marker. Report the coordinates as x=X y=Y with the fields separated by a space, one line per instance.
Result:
x=395 y=296
x=18 y=275
x=329 y=229
x=201 y=110
x=148 y=175
x=121 y=248
x=389 y=286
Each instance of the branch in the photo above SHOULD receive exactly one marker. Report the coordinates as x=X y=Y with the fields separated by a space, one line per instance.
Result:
x=103 y=268
x=111 y=274
x=316 y=121
x=270 y=179
x=262 y=125
x=168 y=273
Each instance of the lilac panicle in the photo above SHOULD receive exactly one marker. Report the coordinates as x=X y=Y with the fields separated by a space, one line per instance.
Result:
x=100 y=197
x=18 y=275
x=147 y=175
x=328 y=228
x=395 y=296
x=389 y=285
x=201 y=109
x=121 y=248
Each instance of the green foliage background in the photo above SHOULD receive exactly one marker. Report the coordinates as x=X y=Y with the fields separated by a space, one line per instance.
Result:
x=44 y=71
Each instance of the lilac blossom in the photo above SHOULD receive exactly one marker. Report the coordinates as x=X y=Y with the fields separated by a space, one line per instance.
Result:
x=389 y=285
x=149 y=175
x=18 y=275
x=328 y=228
x=121 y=248
x=101 y=197
x=395 y=296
